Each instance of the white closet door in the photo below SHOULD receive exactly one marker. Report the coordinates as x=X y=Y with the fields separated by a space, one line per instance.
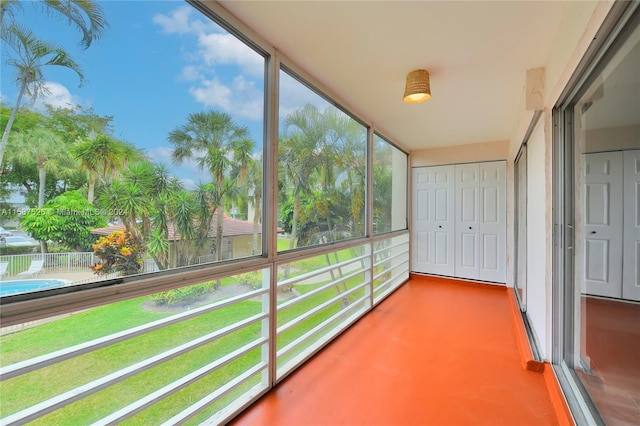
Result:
x=631 y=244
x=603 y=224
x=467 y=221
x=433 y=220
x=492 y=227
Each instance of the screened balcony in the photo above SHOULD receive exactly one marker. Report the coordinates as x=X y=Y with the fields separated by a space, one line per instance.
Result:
x=231 y=213
x=399 y=350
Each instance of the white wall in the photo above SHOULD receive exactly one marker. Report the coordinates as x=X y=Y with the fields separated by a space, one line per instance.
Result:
x=576 y=33
x=538 y=308
x=471 y=153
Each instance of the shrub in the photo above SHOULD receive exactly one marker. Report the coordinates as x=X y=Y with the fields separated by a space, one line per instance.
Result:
x=120 y=252
x=254 y=279
x=188 y=294
x=10 y=250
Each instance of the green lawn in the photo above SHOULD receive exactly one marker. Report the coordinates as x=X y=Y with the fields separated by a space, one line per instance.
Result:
x=26 y=390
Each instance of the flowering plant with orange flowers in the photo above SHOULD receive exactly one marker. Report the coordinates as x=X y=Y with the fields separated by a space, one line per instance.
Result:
x=119 y=252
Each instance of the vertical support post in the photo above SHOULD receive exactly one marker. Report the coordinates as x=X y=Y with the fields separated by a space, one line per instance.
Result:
x=270 y=212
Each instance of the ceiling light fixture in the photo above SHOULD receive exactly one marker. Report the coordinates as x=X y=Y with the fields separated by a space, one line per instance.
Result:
x=417 y=88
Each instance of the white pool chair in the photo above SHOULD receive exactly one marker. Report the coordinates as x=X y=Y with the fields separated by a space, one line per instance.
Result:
x=34 y=269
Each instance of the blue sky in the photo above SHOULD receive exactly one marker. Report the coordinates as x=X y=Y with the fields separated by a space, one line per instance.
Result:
x=158 y=62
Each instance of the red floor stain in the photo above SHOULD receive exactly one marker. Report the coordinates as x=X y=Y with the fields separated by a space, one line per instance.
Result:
x=434 y=353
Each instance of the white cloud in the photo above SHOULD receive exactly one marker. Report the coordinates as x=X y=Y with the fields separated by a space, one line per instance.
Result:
x=179 y=21
x=241 y=99
x=160 y=155
x=189 y=184
x=226 y=49
x=191 y=73
x=56 y=95
x=294 y=95
x=214 y=56
x=187 y=171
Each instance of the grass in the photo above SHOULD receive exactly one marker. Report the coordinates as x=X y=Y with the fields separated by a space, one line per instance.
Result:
x=29 y=389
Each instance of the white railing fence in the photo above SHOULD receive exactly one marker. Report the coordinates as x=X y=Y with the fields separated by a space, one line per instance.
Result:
x=53 y=262
x=200 y=352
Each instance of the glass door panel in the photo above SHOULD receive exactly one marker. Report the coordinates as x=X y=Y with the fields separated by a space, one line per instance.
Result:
x=607 y=236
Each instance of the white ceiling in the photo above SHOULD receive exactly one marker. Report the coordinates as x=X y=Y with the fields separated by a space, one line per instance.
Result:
x=478 y=53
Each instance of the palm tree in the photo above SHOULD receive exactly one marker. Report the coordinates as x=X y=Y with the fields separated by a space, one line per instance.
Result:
x=349 y=144
x=254 y=190
x=31 y=56
x=86 y=15
x=104 y=158
x=132 y=199
x=214 y=141
x=302 y=156
x=43 y=147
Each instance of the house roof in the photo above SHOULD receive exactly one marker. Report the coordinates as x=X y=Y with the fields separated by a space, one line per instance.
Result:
x=231 y=228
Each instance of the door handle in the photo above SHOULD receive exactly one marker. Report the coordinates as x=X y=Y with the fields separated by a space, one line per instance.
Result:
x=470 y=228
x=440 y=226
x=593 y=232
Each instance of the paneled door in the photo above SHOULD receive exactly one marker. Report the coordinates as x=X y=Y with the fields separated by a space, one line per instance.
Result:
x=459 y=221
x=602 y=232
x=433 y=221
x=467 y=221
x=631 y=243
x=492 y=225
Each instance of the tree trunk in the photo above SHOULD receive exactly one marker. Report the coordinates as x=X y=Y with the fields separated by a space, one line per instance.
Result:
x=42 y=177
x=256 y=218
x=220 y=219
x=12 y=117
x=219 y=233
x=92 y=189
x=294 y=224
x=294 y=233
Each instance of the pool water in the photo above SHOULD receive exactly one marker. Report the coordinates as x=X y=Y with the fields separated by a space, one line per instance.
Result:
x=26 y=286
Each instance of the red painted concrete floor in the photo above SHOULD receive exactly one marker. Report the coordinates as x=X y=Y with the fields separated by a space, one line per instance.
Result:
x=436 y=352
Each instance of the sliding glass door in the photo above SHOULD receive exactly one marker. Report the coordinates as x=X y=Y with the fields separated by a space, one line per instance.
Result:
x=598 y=197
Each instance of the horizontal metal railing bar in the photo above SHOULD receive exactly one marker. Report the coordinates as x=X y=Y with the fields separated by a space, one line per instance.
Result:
x=387 y=270
x=387 y=291
x=318 y=290
x=393 y=265
x=302 y=253
x=172 y=388
x=316 y=346
x=404 y=245
x=319 y=327
x=390 y=235
x=43 y=304
x=297 y=320
x=398 y=244
x=390 y=269
x=85 y=390
x=52 y=302
x=32 y=364
x=380 y=287
x=214 y=396
x=321 y=271
x=388 y=258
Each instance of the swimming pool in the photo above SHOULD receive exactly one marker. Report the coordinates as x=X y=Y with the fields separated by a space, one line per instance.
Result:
x=25 y=286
